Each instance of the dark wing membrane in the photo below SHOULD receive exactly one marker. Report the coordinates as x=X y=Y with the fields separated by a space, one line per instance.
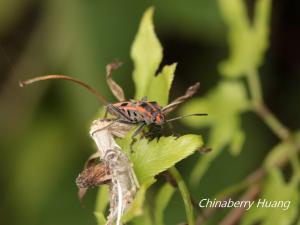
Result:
x=119 y=112
x=146 y=106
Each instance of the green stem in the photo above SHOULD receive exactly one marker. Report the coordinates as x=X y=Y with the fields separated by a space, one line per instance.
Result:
x=295 y=163
x=261 y=109
x=255 y=86
x=184 y=194
x=272 y=122
x=161 y=202
x=232 y=190
x=253 y=178
x=101 y=204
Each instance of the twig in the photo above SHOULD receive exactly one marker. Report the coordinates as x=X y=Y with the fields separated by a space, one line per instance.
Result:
x=274 y=124
x=262 y=110
x=252 y=179
x=235 y=214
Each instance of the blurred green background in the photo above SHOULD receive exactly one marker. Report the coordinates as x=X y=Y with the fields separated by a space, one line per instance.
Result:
x=44 y=137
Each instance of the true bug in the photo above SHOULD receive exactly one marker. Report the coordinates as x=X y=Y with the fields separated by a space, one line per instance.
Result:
x=141 y=112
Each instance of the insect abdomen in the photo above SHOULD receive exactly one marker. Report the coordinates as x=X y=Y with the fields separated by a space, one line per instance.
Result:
x=140 y=111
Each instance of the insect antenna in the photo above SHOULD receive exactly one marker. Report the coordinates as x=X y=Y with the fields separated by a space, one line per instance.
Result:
x=180 y=117
x=100 y=97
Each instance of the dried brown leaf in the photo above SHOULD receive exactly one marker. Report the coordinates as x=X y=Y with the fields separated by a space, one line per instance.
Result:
x=92 y=160
x=188 y=94
x=114 y=87
x=92 y=176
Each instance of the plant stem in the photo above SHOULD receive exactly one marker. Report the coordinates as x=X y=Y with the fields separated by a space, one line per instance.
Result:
x=295 y=165
x=273 y=123
x=240 y=186
x=251 y=180
x=184 y=194
x=261 y=109
x=255 y=86
x=235 y=214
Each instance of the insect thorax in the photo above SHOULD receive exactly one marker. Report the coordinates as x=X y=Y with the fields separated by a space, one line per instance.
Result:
x=137 y=112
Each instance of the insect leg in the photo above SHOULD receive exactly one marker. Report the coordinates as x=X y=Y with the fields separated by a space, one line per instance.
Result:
x=126 y=121
x=170 y=126
x=107 y=126
x=138 y=130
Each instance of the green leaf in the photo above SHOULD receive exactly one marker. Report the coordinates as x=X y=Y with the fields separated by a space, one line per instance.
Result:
x=278 y=153
x=223 y=119
x=248 y=43
x=146 y=53
x=261 y=28
x=145 y=218
x=184 y=194
x=275 y=189
x=162 y=200
x=101 y=220
x=238 y=140
x=282 y=151
x=152 y=158
x=161 y=84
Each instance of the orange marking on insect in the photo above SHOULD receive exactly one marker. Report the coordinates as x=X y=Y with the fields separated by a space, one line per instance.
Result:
x=158 y=118
x=137 y=108
x=151 y=106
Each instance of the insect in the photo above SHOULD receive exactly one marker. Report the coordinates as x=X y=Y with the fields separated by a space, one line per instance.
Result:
x=141 y=112
x=137 y=112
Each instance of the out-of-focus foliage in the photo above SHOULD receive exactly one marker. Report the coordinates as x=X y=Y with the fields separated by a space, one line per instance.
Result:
x=278 y=153
x=276 y=189
x=248 y=40
x=44 y=137
x=101 y=204
x=224 y=120
x=162 y=200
